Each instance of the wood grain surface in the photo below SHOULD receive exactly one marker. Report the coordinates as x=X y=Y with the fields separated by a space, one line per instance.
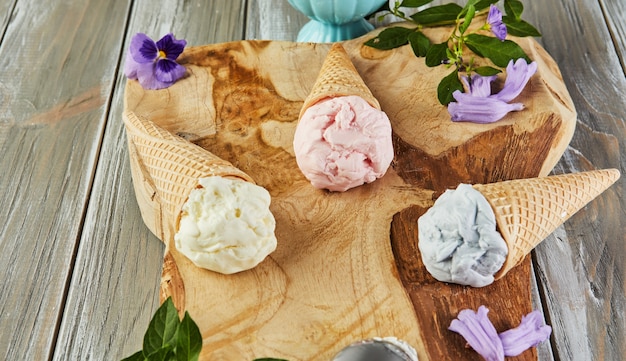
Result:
x=6 y=9
x=615 y=12
x=52 y=123
x=244 y=105
x=581 y=268
x=129 y=257
x=84 y=271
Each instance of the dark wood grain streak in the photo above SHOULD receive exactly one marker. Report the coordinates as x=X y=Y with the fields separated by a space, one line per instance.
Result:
x=428 y=295
x=615 y=14
x=6 y=11
x=465 y=163
x=462 y=165
x=544 y=349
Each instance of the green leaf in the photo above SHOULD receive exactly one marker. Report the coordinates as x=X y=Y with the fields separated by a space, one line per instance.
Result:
x=436 y=54
x=414 y=3
x=519 y=27
x=390 y=38
x=499 y=52
x=449 y=54
x=162 y=329
x=137 y=356
x=447 y=86
x=469 y=16
x=482 y=4
x=419 y=43
x=514 y=8
x=189 y=340
x=163 y=354
x=436 y=14
x=487 y=71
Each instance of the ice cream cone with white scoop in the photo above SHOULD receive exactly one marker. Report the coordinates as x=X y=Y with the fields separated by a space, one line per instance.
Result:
x=476 y=234
x=343 y=139
x=217 y=216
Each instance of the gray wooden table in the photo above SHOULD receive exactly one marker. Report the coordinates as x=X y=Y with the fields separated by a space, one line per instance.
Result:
x=80 y=271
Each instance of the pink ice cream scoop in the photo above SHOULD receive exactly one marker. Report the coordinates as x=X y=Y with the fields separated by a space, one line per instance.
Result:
x=343 y=142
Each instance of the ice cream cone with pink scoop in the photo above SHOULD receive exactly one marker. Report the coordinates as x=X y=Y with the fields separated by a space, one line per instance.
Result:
x=343 y=139
x=476 y=234
x=338 y=77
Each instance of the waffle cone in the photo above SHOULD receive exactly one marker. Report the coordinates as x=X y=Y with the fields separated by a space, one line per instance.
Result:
x=338 y=77
x=529 y=210
x=166 y=168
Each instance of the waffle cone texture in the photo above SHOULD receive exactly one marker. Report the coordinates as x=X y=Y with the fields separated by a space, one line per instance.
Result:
x=167 y=167
x=338 y=77
x=529 y=210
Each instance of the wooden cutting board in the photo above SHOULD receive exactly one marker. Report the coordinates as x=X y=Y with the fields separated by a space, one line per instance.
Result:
x=347 y=266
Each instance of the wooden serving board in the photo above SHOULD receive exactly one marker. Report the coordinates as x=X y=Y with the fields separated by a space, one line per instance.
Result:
x=347 y=266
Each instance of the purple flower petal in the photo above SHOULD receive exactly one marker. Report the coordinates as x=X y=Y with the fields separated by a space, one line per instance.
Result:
x=148 y=80
x=130 y=66
x=168 y=70
x=143 y=49
x=529 y=333
x=479 y=86
x=479 y=333
x=499 y=30
x=495 y=15
x=494 y=19
x=480 y=106
x=170 y=46
x=517 y=75
x=478 y=109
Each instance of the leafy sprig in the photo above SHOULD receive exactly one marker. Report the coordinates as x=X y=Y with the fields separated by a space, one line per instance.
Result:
x=452 y=52
x=170 y=339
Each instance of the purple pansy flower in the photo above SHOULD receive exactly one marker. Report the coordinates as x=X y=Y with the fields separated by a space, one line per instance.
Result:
x=495 y=24
x=154 y=64
x=480 y=334
x=528 y=334
x=478 y=105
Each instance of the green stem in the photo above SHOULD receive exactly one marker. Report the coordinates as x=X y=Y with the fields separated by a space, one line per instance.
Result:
x=403 y=17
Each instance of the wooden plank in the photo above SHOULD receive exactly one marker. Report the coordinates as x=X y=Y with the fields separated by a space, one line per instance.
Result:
x=273 y=20
x=544 y=349
x=115 y=286
x=581 y=267
x=614 y=12
x=6 y=11
x=57 y=63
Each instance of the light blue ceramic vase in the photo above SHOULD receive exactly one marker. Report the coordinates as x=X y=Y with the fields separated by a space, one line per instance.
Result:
x=335 y=20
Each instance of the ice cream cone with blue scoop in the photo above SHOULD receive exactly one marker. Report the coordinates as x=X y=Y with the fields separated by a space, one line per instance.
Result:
x=476 y=234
